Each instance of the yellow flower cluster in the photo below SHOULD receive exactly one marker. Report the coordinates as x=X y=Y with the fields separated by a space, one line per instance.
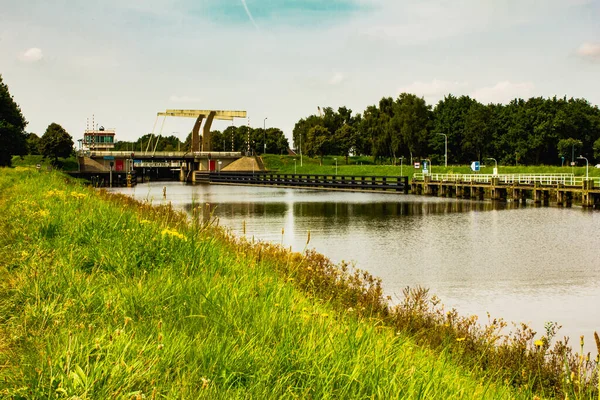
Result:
x=56 y=193
x=78 y=195
x=43 y=213
x=173 y=233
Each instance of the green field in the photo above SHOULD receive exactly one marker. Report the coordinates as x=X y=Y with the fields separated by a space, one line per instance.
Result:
x=365 y=166
x=103 y=297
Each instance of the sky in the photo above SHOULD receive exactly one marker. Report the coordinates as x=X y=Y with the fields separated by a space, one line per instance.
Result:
x=122 y=61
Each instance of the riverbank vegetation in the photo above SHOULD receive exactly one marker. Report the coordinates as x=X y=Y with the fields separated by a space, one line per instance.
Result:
x=104 y=297
x=360 y=165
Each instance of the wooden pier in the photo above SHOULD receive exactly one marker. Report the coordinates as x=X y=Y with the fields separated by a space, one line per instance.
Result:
x=316 y=181
x=563 y=189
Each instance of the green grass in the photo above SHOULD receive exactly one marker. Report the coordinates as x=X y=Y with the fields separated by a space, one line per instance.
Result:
x=65 y=164
x=102 y=297
x=364 y=166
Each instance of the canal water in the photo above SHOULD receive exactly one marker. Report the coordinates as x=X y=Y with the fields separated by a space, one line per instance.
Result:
x=521 y=263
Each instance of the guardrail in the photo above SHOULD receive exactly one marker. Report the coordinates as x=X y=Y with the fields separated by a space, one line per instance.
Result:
x=543 y=179
x=397 y=183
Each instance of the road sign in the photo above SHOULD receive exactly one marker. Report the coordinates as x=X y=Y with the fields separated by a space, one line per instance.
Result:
x=109 y=157
x=475 y=166
x=417 y=165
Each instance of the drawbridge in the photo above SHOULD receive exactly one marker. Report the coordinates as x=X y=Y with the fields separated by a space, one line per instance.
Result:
x=206 y=116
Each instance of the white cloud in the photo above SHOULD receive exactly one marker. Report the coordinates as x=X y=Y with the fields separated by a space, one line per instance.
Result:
x=184 y=99
x=503 y=92
x=32 y=55
x=336 y=79
x=589 y=50
x=435 y=88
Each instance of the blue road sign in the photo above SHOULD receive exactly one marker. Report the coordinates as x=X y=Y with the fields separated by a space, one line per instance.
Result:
x=475 y=166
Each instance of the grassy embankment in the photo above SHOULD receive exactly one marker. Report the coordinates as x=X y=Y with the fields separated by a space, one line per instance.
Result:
x=365 y=166
x=65 y=164
x=103 y=297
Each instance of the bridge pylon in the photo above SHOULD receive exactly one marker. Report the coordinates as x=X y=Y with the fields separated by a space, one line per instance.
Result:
x=203 y=115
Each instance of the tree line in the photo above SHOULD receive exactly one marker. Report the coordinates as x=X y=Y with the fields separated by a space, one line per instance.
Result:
x=531 y=132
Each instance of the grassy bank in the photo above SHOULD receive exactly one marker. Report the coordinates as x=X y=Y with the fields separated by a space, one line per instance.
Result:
x=65 y=164
x=102 y=297
x=365 y=166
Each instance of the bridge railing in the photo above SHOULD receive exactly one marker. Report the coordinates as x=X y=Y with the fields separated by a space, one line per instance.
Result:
x=543 y=179
x=159 y=154
x=397 y=183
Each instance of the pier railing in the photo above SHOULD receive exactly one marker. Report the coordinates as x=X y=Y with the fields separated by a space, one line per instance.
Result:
x=396 y=183
x=509 y=179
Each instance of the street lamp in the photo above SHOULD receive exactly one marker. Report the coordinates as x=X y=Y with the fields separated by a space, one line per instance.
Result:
x=294 y=166
x=445 y=148
x=496 y=168
x=401 y=159
x=265 y=135
x=335 y=165
x=587 y=164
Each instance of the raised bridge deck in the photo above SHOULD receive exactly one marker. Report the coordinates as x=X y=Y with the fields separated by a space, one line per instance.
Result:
x=516 y=187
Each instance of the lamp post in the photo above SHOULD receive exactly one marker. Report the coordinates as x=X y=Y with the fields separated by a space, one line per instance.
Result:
x=496 y=168
x=294 y=166
x=335 y=165
x=300 y=149
x=445 y=148
x=401 y=159
x=587 y=164
x=178 y=141
x=265 y=135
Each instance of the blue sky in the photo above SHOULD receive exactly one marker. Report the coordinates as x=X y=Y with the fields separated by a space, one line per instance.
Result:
x=125 y=60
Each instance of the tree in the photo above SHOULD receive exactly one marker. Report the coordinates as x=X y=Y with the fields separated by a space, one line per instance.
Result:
x=476 y=132
x=596 y=148
x=570 y=148
x=12 y=127
x=33 y=143
x=56 y=142
x=410 y=124
x=318 y=141
x=346 y=139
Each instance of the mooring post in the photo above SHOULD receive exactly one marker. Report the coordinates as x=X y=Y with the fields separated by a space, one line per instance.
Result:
x=537 y=193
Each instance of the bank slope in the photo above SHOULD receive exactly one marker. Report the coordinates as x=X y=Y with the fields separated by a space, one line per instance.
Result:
x=101 y=297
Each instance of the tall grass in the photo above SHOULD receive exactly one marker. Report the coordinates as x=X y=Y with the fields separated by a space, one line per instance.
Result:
x=103 y=297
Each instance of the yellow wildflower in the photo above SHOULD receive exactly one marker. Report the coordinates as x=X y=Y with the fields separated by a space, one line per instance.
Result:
x=173 y=233
x=78 y=195
x=539 y=343
x=460 y=339
x=55 y=193
x=144 y=221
